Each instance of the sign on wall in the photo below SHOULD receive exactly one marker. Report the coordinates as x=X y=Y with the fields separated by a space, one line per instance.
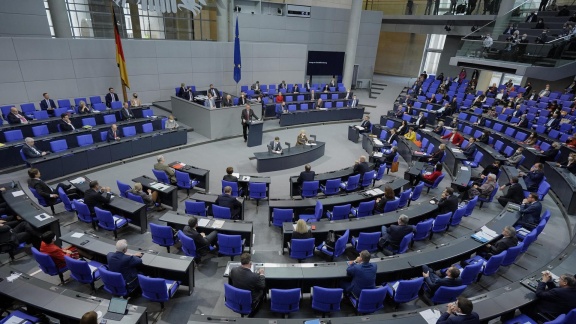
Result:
x=167 y=6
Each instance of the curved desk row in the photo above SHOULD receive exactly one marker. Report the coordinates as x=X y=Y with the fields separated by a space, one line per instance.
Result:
x=563 y=184
x=77 y=159
x=290 y=158
x=341 y=174
x=320 y=115
x=210 y=199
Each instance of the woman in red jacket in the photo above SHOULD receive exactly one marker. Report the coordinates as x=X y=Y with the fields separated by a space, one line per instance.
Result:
x=429 y=178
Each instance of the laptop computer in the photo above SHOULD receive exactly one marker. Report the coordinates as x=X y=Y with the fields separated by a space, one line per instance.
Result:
x=116 y=309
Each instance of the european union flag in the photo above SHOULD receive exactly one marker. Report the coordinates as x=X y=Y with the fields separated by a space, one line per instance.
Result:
x=237 y=59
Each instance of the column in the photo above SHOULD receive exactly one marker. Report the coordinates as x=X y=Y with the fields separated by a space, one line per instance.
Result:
x=503 y=16
x=60 y=21
x=352 y=42
x=222 y=20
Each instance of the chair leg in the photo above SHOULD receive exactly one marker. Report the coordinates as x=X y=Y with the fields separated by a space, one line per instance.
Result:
x=168 y=249
x=61 y=276
x=115 y=235
x=52 y=208
x=161 y=305
x=480 y=206
x=428 y=190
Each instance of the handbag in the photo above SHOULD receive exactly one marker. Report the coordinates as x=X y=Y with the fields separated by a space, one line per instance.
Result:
x=418 y=143
x=394 y=167
x=330 y=241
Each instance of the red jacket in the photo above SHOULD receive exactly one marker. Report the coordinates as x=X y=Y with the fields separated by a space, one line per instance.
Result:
x=457 y=140
x=432 y=176
x=55 y=252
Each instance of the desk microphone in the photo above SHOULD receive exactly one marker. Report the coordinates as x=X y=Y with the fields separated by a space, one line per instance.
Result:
x=89 y=298
x=93 y=235
x=220 y=319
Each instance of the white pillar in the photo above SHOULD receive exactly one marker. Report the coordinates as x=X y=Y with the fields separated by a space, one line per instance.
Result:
x=222 y=15
x=60 y=21
x=352 y=42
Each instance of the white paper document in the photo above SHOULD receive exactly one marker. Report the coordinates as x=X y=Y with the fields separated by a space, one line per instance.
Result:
x=202 y=222
x=377 y=142
x=378 y=154
x=77 y=180
x=359 y=127
x=245 y=178
x=463 y=168
x=236 y=174
x=92 y=268
x=77 y=235
x=42 y=217
x=431 y=316
x=218 y=224
x=17 y=193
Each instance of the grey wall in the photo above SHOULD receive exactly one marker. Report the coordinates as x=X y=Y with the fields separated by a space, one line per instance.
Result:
x=451 y=46
x=70 y=68
x=325 y=30
x=23 y=18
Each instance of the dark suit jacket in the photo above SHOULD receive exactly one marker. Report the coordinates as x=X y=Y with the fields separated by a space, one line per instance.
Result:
x=530 y=213
x=92 y=199
x=109 y=99
x=436 y=156
x=392 y=138
x=469 y=150
x=363 y=277
x=503 y=244
x=12 y=119
x=295 y=89
x=182 y=93
x=127 y=265
x=397 y=232
x=549 y=154
x=421 y=122
x=64 y=126
x=523 y=122
x=42 y=188
x=532 y=180
x=244 y=278
x=515 y=193
x=44 y=105
x=227 y=103
x=126 y=114
x=300 y=236
x=442 y=282
x=571 y=167
x=361 y=168
x=446 y=318
x=366 y=124
x=449 y=204
x=275 y=147
x=554 y=300
x=555 y=123
x=306 y=176
x=215 y=93
x=307 y=87
x=242 y=101
x=110 y=135
x=230 y=202
x=202 y=244
x=230 y=178
x=351 y=102
x=29 y=152
x=251 y=115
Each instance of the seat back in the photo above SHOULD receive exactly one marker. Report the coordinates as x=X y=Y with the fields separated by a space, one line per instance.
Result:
x=367 y=178
x=470 y=273
x=161 y=176
x=341 y=242
x=371 y=300
x=128 y=131
x=123 y=188
x=13 y=135
x=257 y=190
x=40 y=130
x=365 y=208
x=154 y=289
x=233 y=185
x=407 y=290
x=99 y=106
x=404 y=197
x=134 y=197
x=341 y=212
x=405 y=243
x=116 y=105
x=79 y=270
x=147 y=128
x=302 y=248
x=446 y=295
x=84 y=140
x=105 y=219
x=423 y=229
x=195 y=208
x=162 y=235
x=512 y=254
x=188 y=245
x=281 y=216
x=457 y=216
x=528 y=240
x=221 y=212
x=352 y=182
x=285 y=300
x=41 y=200
x=368 y=241
x=58 y=146
x=113 y=282
x=40 y=114
x=441 y=222
x=492 y=265
x=332 y=187
x=326 y=299
x=90 y=121
x=470 y=206
x=230 y=244
x=417 y=191
x=391 y=205
x=380 y=173
x=238 y=300
x=109 y=119
x=65 y=200
x=64 y=103
x=543 y=189
x=45 y=262
x=183 y=179
x=310 y=188
x=83 y=212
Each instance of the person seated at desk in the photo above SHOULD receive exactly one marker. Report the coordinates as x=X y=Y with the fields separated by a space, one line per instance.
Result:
x=228 y=176
x=515 y=157
x=450 y=278
x=470 y=149
x=493 y=168
x=96 y=196
x=442 y=111
x=366 y=125
x=242 y=277
x=408 y=111
x=182 y=92
x=530 y=211
x=30 y=150
x=550 y=153
x=210 y=102
x=296 y=88
x=110 y=97
x=44 y=190
x=112 y=134
x=459 y=312
x=301 y=231
x=226 y=200
x=319 y=103
x=202 y=241
x=306 y=175
x=553 y=122
x=354 y=102
x=161 y=166
x=428 y=177
x=135 y=102
x=483 y=190
x=326 y=88
x=393 y=234
x=439 y=129
x=435 y=156
x=279 y=97
x=15 y=230
x=393 y=137
x=570 y=164
x=227 y=102
x=507 y=241
x=302 y=139
x=381 y=202
x=124 y=263
x=275 y=145
x=83 y=109
x=151 y=199
x=283 y=109
x=484 y=138
x=47 y=104
x=171 y=123
x=361 y=166
x=534 y=177
x=515 y=194
x=256 y=87
x=532 y=139
x=448 y=202
x=454 y=137
x=411 y=135
x=385 y=158
x=65 y=123
x=551 y=299
x=242 y=100
x=55 y=252
x=403 y=129
x=361 y=274
x=16 y=117
x=421 y=121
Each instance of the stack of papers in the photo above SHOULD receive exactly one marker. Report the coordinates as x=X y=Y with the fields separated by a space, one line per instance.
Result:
x=378 y=154
x=245 y=178
x=485 y=235
x=77 y=235
x=202 y=222
x=377 y=142
x=375 y=192
x=218 y=224
x=17 y=193
x=455 y=150
x=236 y=174
x=359 y=127
x=78 y=180
x=463 y=168
x=42 y=217
x=310 y=144
x=431 y=315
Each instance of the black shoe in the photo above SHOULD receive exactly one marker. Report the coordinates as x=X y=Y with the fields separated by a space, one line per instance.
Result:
x=245 y=140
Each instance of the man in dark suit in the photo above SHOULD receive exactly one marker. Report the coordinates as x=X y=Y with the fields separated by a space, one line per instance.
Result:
x=112 y=134
x=534 y=177
x=110 y=97
x=246 y=116
x=183 y=92
x=96 y=196
x=16 y=117
x=282 y=85
x=459 y=312
x=530 y=211
x=555 y=300
x=214 y=92
x=354 y=102
x=44 y=190
x=470 y=149
x=448 y=202
x=307 y=86
x=242 y=277
x=362 y=274
x=515 y=194
x=306 y=175
x=523 y=122
x=394 y=234
x=227 y=102
x=228 y=176
x=47 y=104
x=226 y=200
x=125 y=264
x=126 y=113
x=421 y=121
x=550 y=153
x=553 y=122
x=451 y=278
x=30 y=151
x=507 y=241
x=296 y=88
x=365 y=124
x=242 y=100
x=65 y=123
x=393 y=136
x=385 y=158
x=275 y=145
x=201 y=240
x=361 y=166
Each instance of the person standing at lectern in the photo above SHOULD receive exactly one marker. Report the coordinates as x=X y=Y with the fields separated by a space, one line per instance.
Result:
x=275 y=145
x=247 y=115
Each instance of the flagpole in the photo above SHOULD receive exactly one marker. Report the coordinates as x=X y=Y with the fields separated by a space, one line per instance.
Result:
x=124 y=93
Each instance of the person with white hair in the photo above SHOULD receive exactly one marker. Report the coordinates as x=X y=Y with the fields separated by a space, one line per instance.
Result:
x=125 y=263
x=483 y=190
x=30 y=151
x=161 y=166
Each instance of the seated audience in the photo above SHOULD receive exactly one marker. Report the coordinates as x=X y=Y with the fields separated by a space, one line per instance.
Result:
x=365 y=125
x=65 y=123
x=550 y=153
x=44 y=190
x=470 y=149
x=228 y=176
x=570 y=164
x=362 y=274
x=96 y=196
x=83 y=109
x=301 y=231
x=54 y=251
x=17 y=117
x=150 y=198
x=553 y=299
x=515 y=194
x=15 y=230
x=47 y=104
x=454 y=137
x=515 y=157
x=242 y=277
x=161 y=166
x=483 y=191
x=227 y=200
x=124 y=263
x=112 y=134
x=428 y=177
x=386 y=158
x=448 y=202
x=450 y=278
x=392 y=235
x=439 y=128
x=381 y=202
x=530 y=211
x=201 y=240
x=459 y=312
x=171 y=123
x=30 y=150
x=306 y=175
x=534 y=177
x=507 y=241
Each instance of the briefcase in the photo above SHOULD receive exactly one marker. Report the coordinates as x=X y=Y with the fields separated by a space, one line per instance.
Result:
x=394 y=167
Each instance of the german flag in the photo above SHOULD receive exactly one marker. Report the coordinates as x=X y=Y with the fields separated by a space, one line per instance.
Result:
x=120 y=54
